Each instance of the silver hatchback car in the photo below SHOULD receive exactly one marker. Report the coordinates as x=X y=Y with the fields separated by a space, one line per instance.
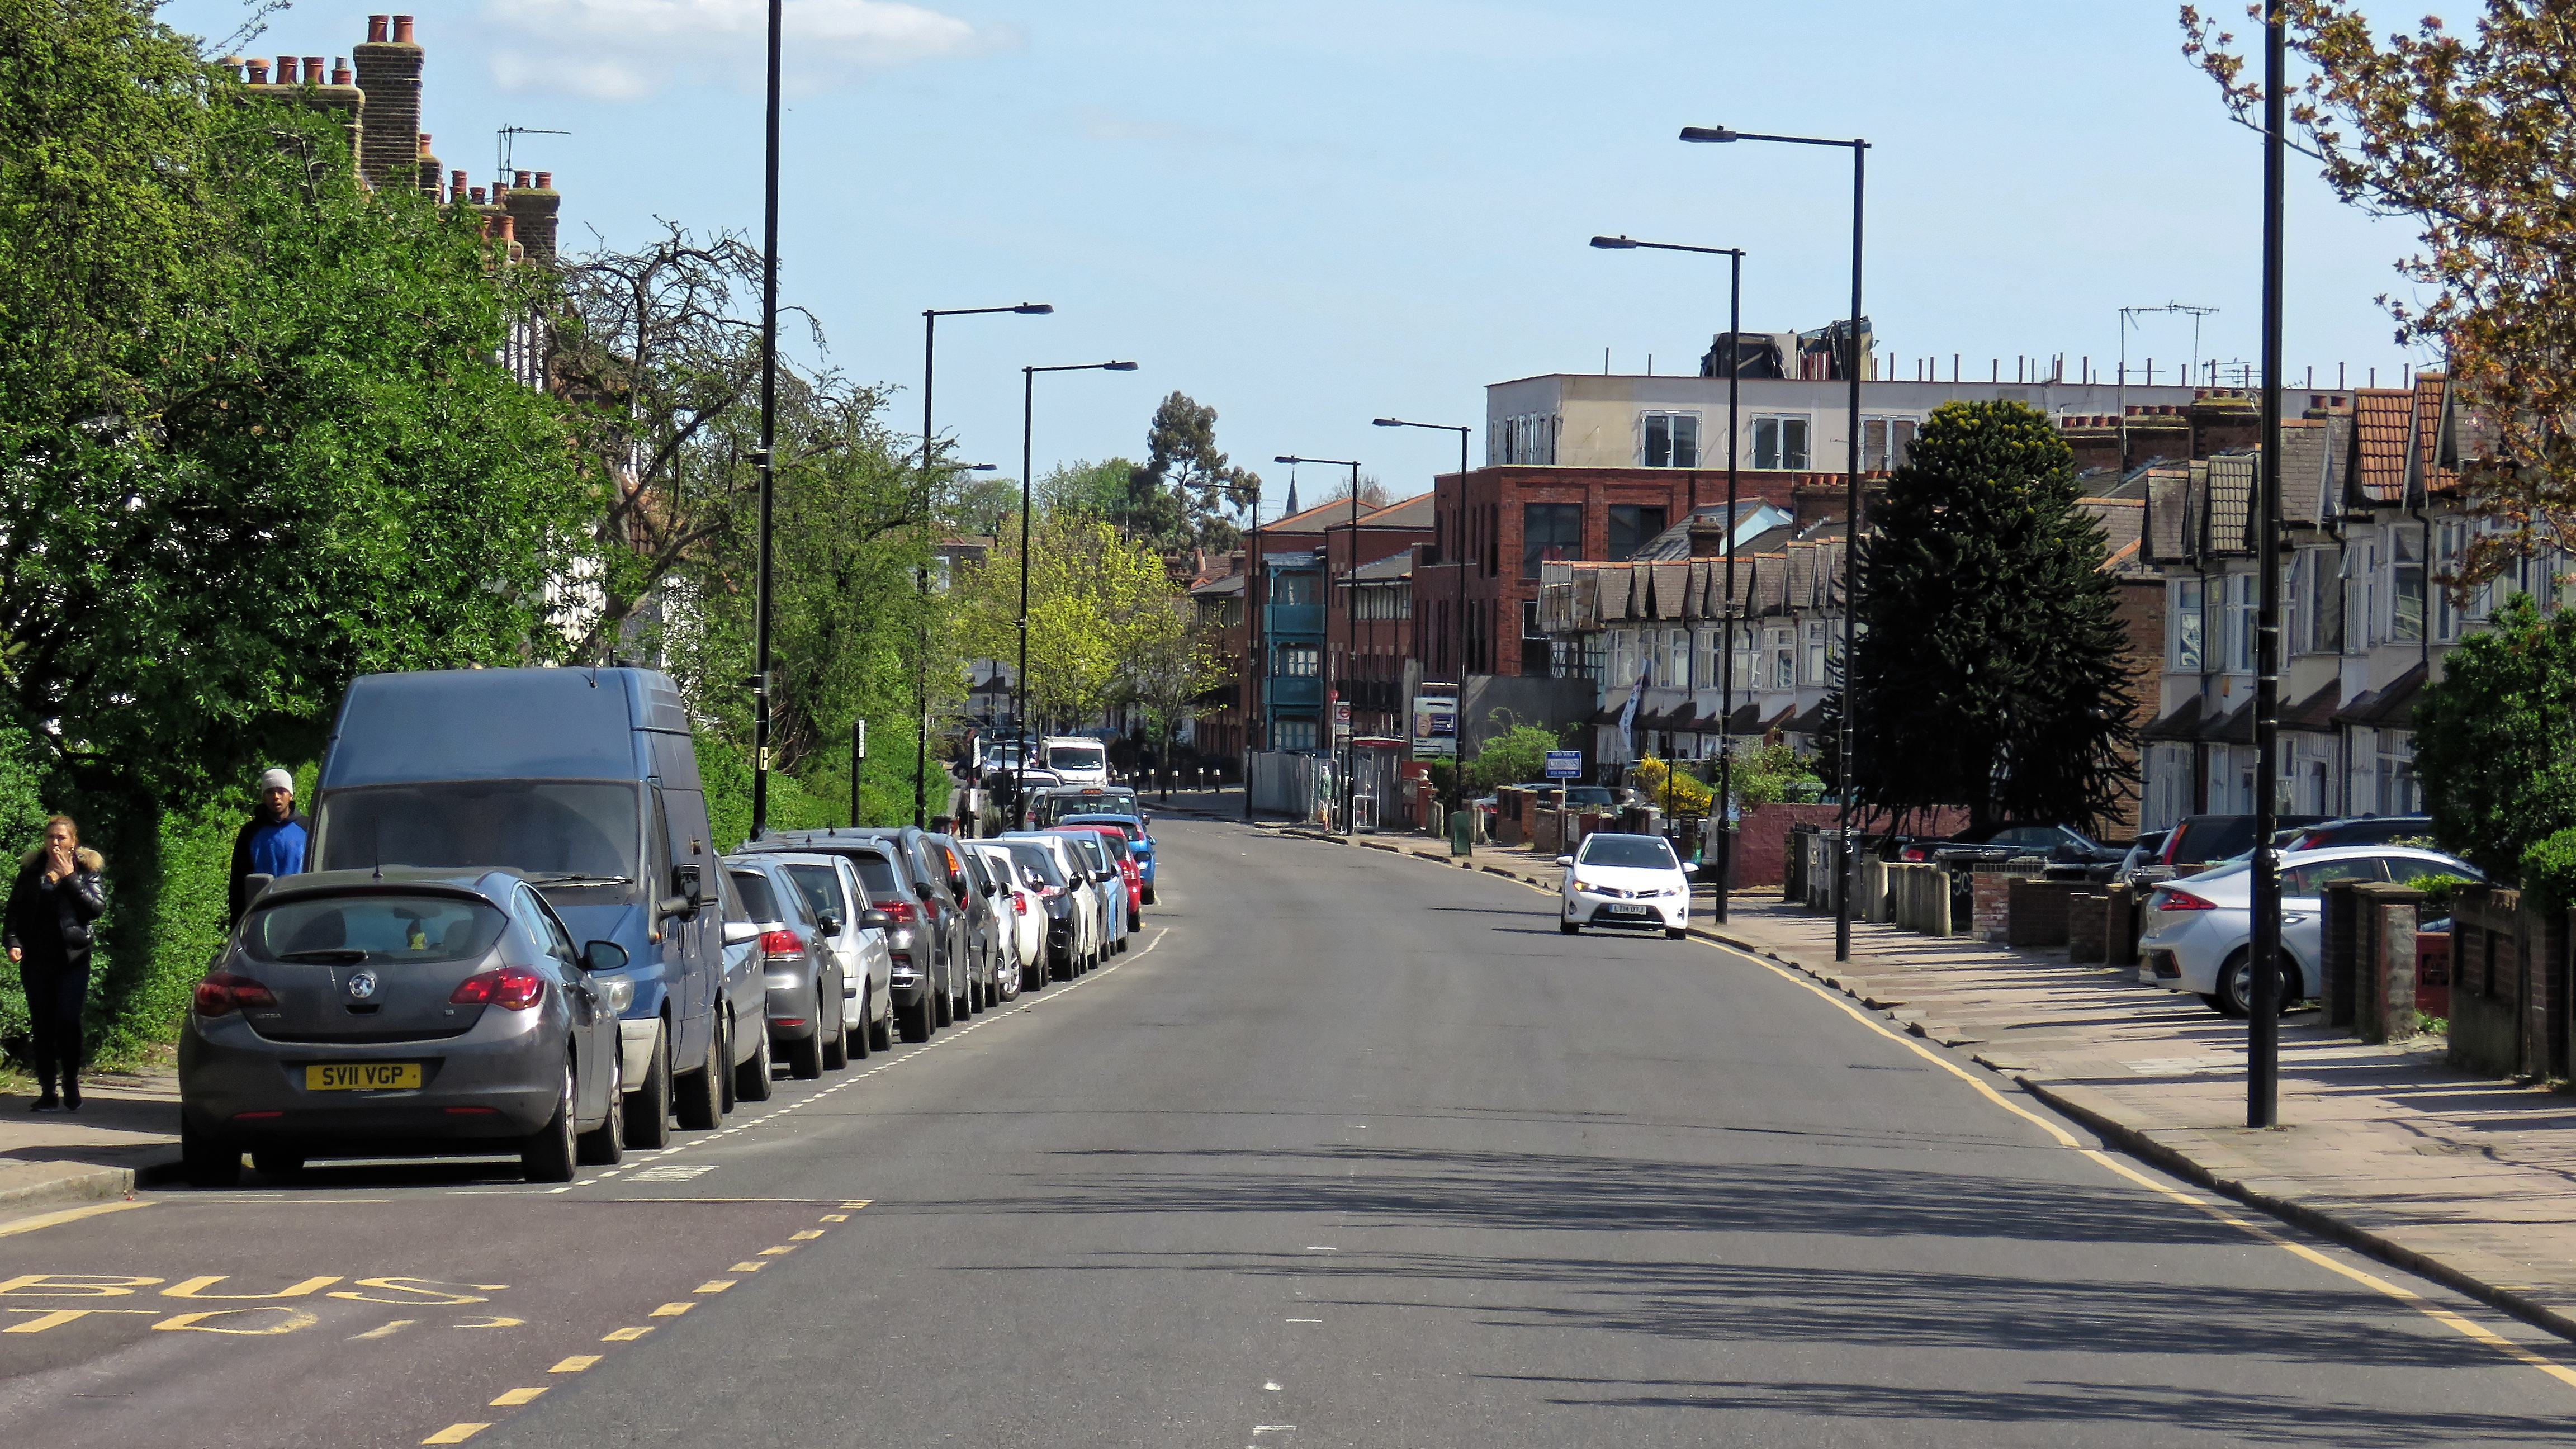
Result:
x=402 y=1012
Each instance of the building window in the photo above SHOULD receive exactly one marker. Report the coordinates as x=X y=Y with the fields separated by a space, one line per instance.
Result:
x=1883 y=442
x=2399 y=792
x=1672 y=440
x=1780 y=442
x=1293 y=734
x=1677 y=660
x=1523 y=438
x=1596 y=659
x=2236 y=620
x=1529 y=620
x=1549 y=531
x=1816 y=653
x=2406 y=600
x=1292 y=588
x=1296 y=661
x=2186 y=623
x=1784 y=660
x=1632 y=527
x=1704 y=658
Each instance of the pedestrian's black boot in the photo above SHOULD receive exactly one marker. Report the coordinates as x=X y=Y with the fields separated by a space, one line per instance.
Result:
x=47 y=1101
x=71 y=1094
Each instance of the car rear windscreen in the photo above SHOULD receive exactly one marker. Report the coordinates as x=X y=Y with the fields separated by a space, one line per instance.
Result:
x=386 y=928
x=877 y=874
x=756 y=897
x=821 y=886
x=1039 y=859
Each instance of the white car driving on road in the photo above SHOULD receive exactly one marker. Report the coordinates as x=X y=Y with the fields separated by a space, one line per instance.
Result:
x=1625 y=880
x=2197 y=930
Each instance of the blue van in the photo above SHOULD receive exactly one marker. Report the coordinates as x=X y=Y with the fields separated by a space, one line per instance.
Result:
x=587 y=781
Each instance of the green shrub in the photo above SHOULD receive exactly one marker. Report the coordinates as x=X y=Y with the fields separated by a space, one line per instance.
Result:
x=2437 y=892
x=2549 y=871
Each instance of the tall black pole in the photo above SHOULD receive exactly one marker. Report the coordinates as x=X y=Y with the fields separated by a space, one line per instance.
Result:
x=1851 y=574
x=2263 y=1024
x=1256 y=688
x=1020 y=681
x=1726 y=644
x=1350 y=667
x=921 y=589
x=768 y=438
x=858 y=760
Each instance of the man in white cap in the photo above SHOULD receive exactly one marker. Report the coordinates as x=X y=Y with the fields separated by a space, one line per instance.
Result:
x=272 y=843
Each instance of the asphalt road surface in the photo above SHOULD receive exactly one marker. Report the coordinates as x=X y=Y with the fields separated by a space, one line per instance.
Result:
x=1349 y=1150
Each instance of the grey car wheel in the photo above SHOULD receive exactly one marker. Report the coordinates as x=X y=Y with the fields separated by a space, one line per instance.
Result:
x=605 y=1144
x=836 y=1039
x=548 y=1157
x=700 y=1094
x=881 y=1032
x=752 y=1081
x=805 y=1058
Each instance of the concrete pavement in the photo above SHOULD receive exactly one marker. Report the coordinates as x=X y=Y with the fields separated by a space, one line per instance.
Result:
x=1348 y=1151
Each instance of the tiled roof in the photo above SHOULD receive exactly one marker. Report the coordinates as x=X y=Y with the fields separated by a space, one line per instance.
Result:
x=2304 y=444
x=2121 y=520
x=2380 y=420
x=2173 y=515
x=2429 y=474
x=2232 y=478
x=1413 y=512
x=2315 y=714
x=2182 y=724
x=2392 y=703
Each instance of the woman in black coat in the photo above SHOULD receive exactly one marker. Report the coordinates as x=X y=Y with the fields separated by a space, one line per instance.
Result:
x=52 y=906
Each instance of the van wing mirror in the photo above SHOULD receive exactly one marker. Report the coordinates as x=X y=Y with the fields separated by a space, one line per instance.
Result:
x=683 y=899
x=602 y=956
x=829 y=923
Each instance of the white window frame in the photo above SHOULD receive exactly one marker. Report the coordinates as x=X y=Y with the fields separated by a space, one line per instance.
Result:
x=1776 y=425
x=2189 y=648
x=1883 y=439
x=1673 y=421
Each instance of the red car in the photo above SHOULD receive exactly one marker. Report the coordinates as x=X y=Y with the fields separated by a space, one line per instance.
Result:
x=1116 y=838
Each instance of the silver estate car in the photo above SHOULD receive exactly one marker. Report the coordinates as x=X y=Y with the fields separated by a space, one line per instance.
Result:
x=403 y=1011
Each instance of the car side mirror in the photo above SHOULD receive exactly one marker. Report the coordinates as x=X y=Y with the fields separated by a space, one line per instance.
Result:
x=252 y=885
x=1565 y=860
x=875 y=920
x=829 y=923
x=683 y=900
x=603 y=956
x=922 y=889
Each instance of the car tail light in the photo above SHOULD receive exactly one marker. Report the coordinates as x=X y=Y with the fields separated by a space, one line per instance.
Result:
x=222 y=993
x=1019 y=905
x=781 y=943
x=514 y=987
x=2173 y=900
x=905 y=912
x=1912 y=853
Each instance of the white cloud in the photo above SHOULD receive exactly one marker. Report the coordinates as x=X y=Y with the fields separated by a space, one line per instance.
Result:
x=629 y=49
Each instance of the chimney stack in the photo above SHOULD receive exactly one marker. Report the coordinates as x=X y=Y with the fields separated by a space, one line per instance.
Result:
x=389 y=72
x=427 y=173
x=534 y=208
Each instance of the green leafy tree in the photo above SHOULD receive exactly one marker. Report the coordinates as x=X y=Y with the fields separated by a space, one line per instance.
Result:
x=1184 y=465
x=2495 y=738
x=1171 y=667
x=1991 y=670
x=1517 y=754
x=1097 y=599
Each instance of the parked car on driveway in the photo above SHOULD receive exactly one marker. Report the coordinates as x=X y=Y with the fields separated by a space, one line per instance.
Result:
x=403 y=1011
x=1140 y=844
x=801 y=980
x=856 y=933
x=2196 y=933
x=2414 y=830
x=2198 y=840
x=587 y=781
x=1624 y=880
x=2058 y=844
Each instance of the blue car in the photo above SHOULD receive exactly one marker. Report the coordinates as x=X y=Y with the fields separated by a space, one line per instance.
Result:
x=1140 y=842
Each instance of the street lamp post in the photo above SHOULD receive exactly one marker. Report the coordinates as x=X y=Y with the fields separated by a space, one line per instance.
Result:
x=1726 y=650
x=1252 y=631
x=1458 y=712
x=768 y=469
x=921 y=575
x=1020 y=682
x=1851 y=506
x=1341 y=677
x=2263 y=1024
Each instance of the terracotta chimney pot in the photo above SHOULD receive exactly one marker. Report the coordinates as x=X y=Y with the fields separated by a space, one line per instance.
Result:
x=376 y=28
x=340 y=70
x=477 y=194
x=402 y=30
x=519 y=179
x=424 y=143
x=286 y=70
x=545 y=181
x=313 y=70
x=509 y=226
x=258 y=72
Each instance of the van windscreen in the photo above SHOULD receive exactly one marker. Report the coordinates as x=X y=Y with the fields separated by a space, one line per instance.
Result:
x=1076 y=757
x=575 y=838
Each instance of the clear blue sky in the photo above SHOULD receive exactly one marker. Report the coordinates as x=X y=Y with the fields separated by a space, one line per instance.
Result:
x=1309 y=215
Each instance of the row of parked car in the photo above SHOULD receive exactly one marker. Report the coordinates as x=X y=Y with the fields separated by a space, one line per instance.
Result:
x=2197 y=922
x=420 y=990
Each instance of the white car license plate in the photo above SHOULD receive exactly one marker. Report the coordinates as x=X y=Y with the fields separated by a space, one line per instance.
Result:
x=1621 y=910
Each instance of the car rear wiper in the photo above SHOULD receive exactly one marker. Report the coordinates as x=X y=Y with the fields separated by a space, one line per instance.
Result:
x=572 y=878
x=340 y=954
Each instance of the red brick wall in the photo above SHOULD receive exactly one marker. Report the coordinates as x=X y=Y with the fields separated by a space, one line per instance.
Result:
x=1761 y=840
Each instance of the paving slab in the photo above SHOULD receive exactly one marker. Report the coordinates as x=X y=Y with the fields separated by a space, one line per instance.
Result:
x=125 y=1134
